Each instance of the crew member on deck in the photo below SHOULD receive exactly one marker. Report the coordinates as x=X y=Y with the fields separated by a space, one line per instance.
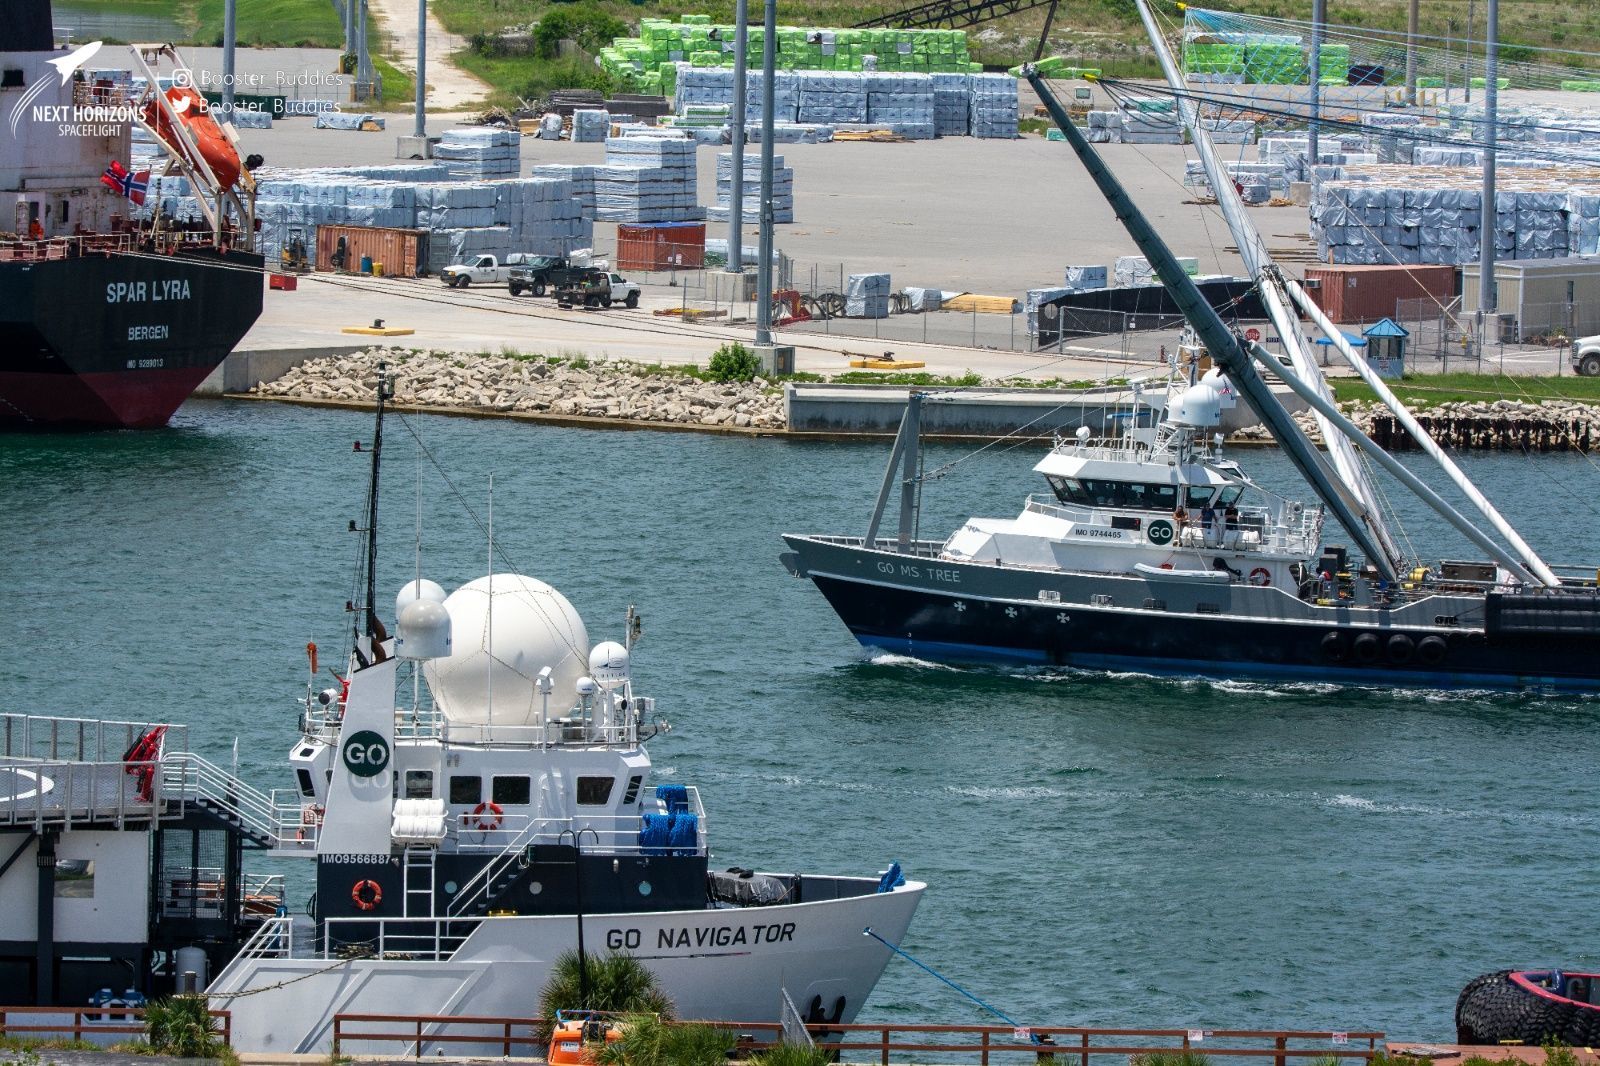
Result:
x=35 y=231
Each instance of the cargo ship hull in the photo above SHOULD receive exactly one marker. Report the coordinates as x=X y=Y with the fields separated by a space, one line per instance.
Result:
x=116 y=339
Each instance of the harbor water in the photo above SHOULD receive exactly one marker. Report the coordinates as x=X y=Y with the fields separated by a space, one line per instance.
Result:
x=1119 y=850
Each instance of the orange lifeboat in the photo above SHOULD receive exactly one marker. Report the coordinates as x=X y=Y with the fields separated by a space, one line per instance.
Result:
x=214 y=145
x=577 y=1031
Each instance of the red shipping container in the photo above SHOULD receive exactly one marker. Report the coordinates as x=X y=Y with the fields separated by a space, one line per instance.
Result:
x=661 y=246
x=1359 y=295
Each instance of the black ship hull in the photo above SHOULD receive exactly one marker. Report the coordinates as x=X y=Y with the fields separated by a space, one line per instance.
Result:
x=932 y=609
x=115 y=339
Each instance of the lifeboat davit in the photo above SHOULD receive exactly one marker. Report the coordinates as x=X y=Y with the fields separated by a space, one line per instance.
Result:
x=195 y=115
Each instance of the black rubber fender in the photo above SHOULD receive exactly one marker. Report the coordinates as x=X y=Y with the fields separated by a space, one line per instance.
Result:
x=1333 y=647
x=1366 y=648
x=1432 y=650
x=1400 y=649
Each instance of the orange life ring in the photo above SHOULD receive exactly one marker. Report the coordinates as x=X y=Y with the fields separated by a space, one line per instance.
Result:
x=1260 y=576
x=358 y=894
x=484 y=817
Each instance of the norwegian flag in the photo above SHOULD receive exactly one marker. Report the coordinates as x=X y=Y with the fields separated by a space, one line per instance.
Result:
x=133 y=186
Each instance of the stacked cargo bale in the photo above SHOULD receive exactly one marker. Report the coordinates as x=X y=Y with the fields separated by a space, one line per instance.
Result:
x=480 y=152
x=1377 y=215
x=647 y=179
x=866 y=296
x=831 y=97
x=1214 y=62
x=590 y=125
x=1274 y=59
x=782 y=189
x=904 y=103
x=580 y=178
x=1037 y=298
x=994 y=106
x=665 y=50
x=952 y=104
x=544 y=213
x=1105 y=127
x=1136 y=269
x=785 y=96
x=1151 y=122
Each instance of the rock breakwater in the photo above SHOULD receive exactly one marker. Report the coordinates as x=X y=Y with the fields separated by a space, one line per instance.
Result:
x=535 y=385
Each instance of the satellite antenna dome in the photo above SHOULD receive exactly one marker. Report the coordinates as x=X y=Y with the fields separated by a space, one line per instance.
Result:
x=585 y=687
x=424 y=631
x=412 y=591
x=507 y=628
x=608 y=664
x=1082 y=434
x=1199 y=406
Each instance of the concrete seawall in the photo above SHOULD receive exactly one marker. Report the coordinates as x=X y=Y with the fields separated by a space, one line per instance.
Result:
x=241 y=371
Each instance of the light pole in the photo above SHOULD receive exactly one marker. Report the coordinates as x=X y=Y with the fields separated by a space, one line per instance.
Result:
x=741 y=45
x=421 y=129
x=229 y=33
x=1488 y=220
x=769 y=50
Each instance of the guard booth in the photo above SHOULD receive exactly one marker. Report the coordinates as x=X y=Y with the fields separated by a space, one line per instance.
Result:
x=1386 y=348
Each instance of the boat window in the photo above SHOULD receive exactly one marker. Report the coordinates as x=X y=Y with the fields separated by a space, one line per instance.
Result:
x=1163 y=497
x=1068 y=489
x=1133 y=495
x=1229 y=496
x=594 y=791
x=633 y=789
x=1199 y=496
x=307 y=787
x=513 y=790
x=419 y=784
x=466 y=790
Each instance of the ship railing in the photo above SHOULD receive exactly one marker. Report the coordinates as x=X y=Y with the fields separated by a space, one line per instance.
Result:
x=91 y=740
x=427 y=939
x=298 y=821
x=926 y=549
x=571 y=731
x=40 y=794
x=197 y=780
x=274 y=940
x=1253 y=531
x=511 y=838
x=73 y=247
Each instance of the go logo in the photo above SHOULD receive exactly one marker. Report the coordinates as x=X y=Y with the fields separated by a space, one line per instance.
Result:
x=1159 y=532
x=366 y=753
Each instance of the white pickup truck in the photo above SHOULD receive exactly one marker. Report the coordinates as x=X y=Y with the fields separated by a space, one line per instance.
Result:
x=1586 y=355
x=482 y=270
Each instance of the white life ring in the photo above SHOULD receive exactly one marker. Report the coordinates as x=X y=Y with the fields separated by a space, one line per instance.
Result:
x=1260 y=577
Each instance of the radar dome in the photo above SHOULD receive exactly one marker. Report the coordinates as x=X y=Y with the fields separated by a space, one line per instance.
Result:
x=420 y=589
x=534 y=626
x=1200 y=405
x=608 y=664
x=424 y=631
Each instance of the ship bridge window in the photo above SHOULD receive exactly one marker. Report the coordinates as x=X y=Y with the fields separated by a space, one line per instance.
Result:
x=1198 y=496
x=466 y=790
x=1229 y=496
x=307 y=786
x=419 y=784
x=594 y=791
x=1099 y=492
x=513 y=790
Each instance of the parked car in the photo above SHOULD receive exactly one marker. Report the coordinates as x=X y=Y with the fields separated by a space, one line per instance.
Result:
x=597 y=288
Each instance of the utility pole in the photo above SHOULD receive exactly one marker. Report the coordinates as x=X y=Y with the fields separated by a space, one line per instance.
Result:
x=1486 y=227
x=1411 y=52
x=1319 y=15
x=421 y=129
x=741 y=45
x=1466 y=57
x=769 y=50
x=230 y=31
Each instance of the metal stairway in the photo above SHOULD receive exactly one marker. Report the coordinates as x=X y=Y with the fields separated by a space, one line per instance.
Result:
x=190 y=779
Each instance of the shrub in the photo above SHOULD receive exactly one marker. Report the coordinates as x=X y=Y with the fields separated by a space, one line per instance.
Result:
x=734 y=362
x=182 y=1026
x=792 y=1055
x=618 y=983
x=1184 y=1057
x=648 y=1041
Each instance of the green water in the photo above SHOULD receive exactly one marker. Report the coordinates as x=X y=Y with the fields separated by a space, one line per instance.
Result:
x=1100 y=850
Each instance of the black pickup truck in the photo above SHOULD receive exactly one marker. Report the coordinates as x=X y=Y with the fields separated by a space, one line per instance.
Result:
x=541 y=274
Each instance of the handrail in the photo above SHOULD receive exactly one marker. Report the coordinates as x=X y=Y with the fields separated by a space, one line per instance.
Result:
x=982 y=1043
x=273 y=940
x=93 y=1020
x=190 y=776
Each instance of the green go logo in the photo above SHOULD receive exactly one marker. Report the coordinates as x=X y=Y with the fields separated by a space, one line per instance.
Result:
x=1160 y=532
x=366 y=754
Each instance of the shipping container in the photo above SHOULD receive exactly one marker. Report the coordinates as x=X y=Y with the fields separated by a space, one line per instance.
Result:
x=1357 y=295
x=403 y=252
x=661 y=246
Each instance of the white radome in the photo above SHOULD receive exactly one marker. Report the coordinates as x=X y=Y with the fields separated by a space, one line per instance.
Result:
x=608 y=664
x=412 y=591
x=534 y=627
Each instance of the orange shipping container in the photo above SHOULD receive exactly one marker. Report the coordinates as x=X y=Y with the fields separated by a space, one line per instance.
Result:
x=1358 y=295
x=661 y=246
x=401 y=251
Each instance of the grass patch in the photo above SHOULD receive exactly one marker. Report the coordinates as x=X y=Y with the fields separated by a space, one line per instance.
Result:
x=1430 y=390
x=511 y=78
x=27 y=1044
x=276 y=24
